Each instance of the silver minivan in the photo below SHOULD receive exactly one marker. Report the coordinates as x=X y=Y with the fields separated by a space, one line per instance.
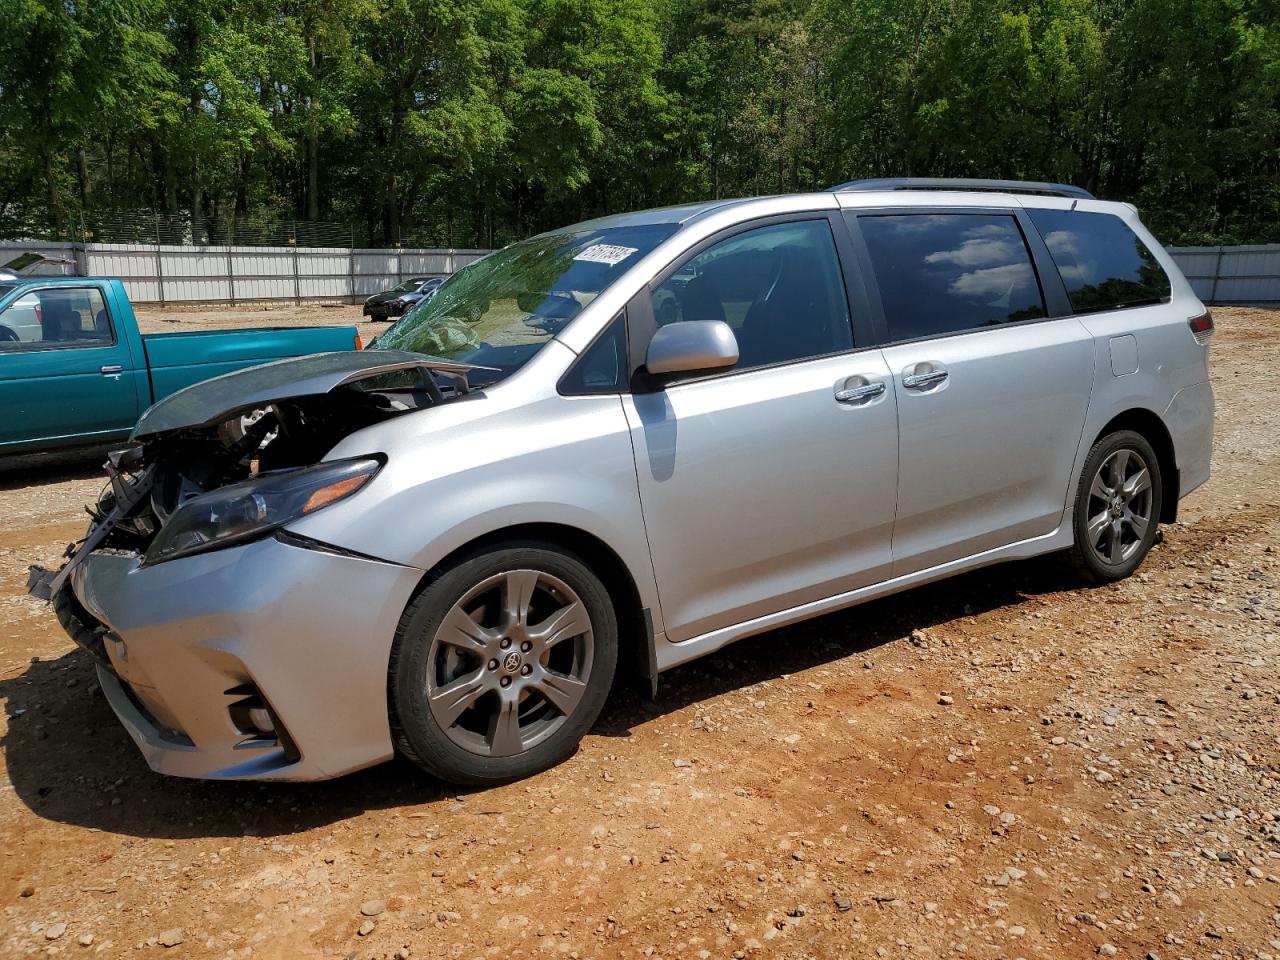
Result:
x=622 y=445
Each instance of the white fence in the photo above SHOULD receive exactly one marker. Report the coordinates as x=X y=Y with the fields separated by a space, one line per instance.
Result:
x=1244 y=274
x=191 y=274
x=196 y=274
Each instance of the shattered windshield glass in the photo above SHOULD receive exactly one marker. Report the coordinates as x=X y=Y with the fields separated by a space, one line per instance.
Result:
x=499 y=311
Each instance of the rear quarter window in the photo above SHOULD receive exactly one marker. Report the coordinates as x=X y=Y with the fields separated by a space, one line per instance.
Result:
x=1103 y=264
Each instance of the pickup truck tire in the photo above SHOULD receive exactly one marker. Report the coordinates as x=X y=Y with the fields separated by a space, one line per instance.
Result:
x=1116 y=514
x=501 y=663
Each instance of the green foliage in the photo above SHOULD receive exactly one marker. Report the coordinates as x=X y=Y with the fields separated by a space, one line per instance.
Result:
x=472 y=122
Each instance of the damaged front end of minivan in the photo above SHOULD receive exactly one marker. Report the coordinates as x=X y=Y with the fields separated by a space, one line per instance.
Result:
x=223 y=464
x=239 y=455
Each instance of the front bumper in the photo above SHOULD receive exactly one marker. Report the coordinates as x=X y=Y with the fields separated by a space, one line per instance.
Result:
x=309 y=630
x=380 y=311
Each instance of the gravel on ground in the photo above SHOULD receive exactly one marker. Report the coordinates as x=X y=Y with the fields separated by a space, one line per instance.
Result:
x=1003 y=765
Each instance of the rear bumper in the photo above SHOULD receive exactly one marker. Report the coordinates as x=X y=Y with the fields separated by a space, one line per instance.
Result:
x=1189 y=418
x=309 y=631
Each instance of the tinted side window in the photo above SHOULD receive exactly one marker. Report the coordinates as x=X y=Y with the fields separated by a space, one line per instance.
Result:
x=943 y=273
x=62 y=315
x=778 y=287
x=1103 y=263
x=602 y=368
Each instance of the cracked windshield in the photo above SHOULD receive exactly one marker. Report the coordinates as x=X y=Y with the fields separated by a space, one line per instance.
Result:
x=499 y=311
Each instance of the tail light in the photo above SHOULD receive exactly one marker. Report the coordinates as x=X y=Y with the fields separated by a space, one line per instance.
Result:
x=1201 y=327
x=360 y=343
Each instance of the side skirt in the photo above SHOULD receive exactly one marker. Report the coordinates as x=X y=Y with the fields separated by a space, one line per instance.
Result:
x=670 y=654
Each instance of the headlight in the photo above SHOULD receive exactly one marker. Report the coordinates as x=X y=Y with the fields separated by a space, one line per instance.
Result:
x=247 y=510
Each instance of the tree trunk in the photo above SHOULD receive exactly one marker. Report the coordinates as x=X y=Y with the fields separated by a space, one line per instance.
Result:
x=170 y=182
x=195 y=204
x=391 y=210
x=242 y=185
x=55 y=199
x=313 y=174
x=393 y=185
x=82 y=171
x=313 y=144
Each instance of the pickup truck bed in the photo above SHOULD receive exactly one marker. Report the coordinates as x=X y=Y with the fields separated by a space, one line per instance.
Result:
x=177 y=360
x=74 y=368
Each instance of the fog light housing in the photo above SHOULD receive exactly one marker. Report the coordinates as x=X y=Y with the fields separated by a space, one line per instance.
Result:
x=250 y=714
x=261 y=719
x=254 y=720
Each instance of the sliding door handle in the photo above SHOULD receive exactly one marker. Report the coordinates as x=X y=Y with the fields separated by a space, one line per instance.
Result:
x=864 y=392
x=919 y=381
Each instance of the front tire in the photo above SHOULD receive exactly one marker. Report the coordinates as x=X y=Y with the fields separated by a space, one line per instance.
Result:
x=501 y=664
x=1117 y=507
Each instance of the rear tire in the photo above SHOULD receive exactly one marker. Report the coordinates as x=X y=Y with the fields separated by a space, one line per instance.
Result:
x=1116 y=514
x=501 y=664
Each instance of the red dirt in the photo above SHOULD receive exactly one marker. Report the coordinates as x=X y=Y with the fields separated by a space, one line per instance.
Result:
x=1106 y=775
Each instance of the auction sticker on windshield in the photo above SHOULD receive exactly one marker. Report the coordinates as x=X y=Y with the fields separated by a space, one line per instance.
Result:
x=605 y=253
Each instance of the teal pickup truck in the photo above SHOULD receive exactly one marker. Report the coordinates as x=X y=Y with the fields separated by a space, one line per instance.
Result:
x=75 y=370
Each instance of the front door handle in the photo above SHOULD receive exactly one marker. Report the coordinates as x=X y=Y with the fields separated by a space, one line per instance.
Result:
x=112 y=370
x=919 y=381
x=864 y=392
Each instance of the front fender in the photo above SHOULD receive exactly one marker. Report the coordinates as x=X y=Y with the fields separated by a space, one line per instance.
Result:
x=477 y=471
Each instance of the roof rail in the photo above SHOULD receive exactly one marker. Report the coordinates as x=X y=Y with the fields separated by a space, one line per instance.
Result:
x=944 y=183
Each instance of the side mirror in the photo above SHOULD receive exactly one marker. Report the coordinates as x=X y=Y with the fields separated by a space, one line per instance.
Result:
x=691 y=345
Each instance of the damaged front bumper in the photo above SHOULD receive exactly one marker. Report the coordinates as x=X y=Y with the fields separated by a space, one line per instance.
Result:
x=260 y=658
x=266 y=661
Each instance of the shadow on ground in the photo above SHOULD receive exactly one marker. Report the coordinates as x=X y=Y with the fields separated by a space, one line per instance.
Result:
x=70 y=761
x=838 y=635
x=37 y=468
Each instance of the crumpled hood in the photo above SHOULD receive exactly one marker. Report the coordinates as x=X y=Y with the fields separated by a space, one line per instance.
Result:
x=211 y=402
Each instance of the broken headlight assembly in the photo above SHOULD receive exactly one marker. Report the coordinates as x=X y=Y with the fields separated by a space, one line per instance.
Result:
x=246 y=511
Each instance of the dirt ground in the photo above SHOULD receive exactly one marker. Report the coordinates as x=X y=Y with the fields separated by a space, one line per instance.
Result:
x=218 y=316
x=1004 y=765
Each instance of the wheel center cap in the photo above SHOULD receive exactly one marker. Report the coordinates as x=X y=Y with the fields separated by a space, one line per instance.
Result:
x=511 y=662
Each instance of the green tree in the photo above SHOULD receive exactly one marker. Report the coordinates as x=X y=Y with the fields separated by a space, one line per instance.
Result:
x=478 y=121
x=64 y=66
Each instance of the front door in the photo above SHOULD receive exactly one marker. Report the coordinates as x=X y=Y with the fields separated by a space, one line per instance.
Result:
x=992 y=392
x=772 y=484
x=65 y=374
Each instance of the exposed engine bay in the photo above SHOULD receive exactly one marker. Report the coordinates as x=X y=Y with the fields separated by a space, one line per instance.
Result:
x=275 y=420
x=291 y=433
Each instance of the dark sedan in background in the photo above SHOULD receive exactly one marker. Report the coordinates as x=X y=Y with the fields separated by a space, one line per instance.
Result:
x=394 y=302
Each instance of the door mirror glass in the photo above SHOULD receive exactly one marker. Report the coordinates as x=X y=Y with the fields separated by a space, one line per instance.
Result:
x=688 y=346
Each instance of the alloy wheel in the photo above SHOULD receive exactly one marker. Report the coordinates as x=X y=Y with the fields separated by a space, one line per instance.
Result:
x=509 y=662
x=1119 y=508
